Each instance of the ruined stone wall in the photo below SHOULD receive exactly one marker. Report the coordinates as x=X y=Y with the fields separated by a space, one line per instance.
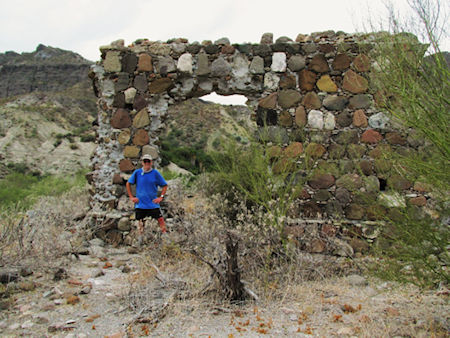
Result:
x=313 y=93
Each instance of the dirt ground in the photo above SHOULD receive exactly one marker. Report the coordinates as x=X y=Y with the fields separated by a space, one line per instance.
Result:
x=112 y=292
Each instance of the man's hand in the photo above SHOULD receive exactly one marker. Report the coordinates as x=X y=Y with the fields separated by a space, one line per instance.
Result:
x=158 y=200
x=134 y=199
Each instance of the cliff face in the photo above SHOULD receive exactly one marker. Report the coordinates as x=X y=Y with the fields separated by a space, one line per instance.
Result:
x=46 y=69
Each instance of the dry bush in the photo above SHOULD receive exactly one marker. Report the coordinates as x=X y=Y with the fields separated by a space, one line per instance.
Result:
x=38 y=237
x=202 y=226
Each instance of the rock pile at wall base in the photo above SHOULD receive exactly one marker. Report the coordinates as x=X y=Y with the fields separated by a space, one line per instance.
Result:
x=314 y=95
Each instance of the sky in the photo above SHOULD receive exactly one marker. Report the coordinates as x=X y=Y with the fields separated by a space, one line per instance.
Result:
x=83 y=26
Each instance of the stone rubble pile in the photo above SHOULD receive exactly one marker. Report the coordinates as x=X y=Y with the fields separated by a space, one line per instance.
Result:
x=313 y=94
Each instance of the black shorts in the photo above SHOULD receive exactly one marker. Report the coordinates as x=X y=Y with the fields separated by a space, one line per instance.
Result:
x=153 y=213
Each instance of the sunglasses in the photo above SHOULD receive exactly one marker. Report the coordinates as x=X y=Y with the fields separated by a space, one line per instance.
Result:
x=147 y=161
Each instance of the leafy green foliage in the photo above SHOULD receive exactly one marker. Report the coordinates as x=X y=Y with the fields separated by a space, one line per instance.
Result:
x=416 y=89
x=22 y=188
x=252 y=174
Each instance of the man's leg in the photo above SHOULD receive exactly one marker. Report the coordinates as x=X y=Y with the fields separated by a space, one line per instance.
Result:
x=162 y=224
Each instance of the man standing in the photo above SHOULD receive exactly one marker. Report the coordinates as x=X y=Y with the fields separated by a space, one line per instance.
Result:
x=146 y=201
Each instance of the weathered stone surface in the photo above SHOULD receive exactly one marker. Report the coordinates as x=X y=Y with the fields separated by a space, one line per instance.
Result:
x=300 y=116
x=354 y=211
x=366 y=167
x=130 y=93
x=257 y=65
x=343 y=196
x=329 y=121
x=121 y=119
x=202 y=65
x=294 y=150
x=360 y=101
x=322 y=181
x=344 y=119
x=119 y=100
x=380 y=151
x=139 y=102
x=362 y=63
x=275 y=134
x=285 y=119
x=335 y=102
x=315 y=119
x=124 y=224
x=112 y=62
x=150 y=150
x=278 y=62
x=184 y=63
x=227 y=49
x=361 y=246
x=398 y=182
x=220 y=67
x=131 y=151
x=288 y=81
x=351 y=182
x=356 y=151
x=422 y=187
x=341 y=62
x=371 y=136
x=296 y=63
x=141 y=119
x=288 y=98
x=126 y=165
x=222 y=41
x=391 y=199
x=326 y=84
x=267 y=39
x=145 y=63
x=372 y=183
x=141 y=137
x=354 y=82
x=262 y=50
x=378 y=121
x=336 y=151
x=124 y=136
x=420 y=201
x=117 y=179
x=160 y=85
x=319 y=64
x=306 y=80
x=311 y=101
x=317 y=245
x=159 y=49
x=212 y=49
x=165 y=65
x=122 y=82
x=315 y=150
x=347 y=136
x=360 y=119
x=271 y=81
x=140 y=83
x=269 y=102
x=395 y=138
x=309 y=47
x=129 y=62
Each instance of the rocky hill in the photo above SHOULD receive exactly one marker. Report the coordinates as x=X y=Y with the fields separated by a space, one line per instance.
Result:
x=45 y=69
x=47 y=107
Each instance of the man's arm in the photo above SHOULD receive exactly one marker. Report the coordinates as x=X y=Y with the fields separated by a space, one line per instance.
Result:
x=132 y=198
x=161 y=197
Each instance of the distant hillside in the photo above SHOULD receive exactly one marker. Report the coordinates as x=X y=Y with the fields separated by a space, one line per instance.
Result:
x=47 y=107
x=45 y=69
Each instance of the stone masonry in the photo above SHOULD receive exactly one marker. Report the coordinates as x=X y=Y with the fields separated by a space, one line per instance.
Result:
x=314 y=94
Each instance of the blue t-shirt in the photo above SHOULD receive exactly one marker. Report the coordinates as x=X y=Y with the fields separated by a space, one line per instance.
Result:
x=147 y=187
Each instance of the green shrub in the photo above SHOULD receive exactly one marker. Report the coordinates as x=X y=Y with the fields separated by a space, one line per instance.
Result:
x=24 y=189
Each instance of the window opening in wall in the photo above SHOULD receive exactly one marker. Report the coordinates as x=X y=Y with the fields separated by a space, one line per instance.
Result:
x=225 y=100
x=199 y=126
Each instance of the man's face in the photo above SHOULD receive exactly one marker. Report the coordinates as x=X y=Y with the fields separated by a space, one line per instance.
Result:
x=146 y=164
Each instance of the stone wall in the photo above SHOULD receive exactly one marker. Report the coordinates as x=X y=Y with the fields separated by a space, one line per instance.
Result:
x=314 y=95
